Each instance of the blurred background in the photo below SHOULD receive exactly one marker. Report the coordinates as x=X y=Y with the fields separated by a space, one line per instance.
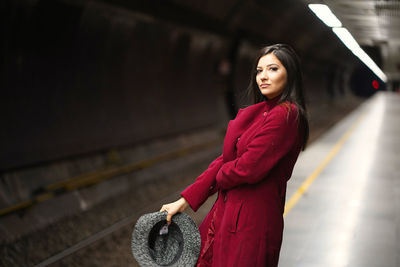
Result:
x=110 y=108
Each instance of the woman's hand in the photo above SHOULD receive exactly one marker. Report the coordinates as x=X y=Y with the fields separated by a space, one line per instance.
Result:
x=173 y=208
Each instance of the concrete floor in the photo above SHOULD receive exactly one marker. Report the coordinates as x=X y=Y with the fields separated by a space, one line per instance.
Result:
x=350 y=213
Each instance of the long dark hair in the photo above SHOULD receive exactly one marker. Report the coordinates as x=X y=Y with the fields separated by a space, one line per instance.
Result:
x=293 y=92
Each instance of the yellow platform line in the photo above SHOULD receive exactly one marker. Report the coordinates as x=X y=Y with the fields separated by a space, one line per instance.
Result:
x=310 y=179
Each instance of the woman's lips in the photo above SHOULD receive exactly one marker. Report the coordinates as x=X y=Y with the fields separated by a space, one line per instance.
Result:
x=264 y=85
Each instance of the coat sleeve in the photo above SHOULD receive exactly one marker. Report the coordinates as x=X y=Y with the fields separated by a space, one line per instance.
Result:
x=204 y=186
x=273 y=141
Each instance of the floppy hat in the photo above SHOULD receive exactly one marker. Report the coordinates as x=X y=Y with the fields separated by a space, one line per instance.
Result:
x=156 y=244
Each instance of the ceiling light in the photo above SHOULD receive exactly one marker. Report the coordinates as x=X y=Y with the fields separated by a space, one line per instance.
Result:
x=325 y=14
x=346 y=37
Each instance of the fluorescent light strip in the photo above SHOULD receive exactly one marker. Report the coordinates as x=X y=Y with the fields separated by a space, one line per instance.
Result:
x=325 y=14
x=346 y=37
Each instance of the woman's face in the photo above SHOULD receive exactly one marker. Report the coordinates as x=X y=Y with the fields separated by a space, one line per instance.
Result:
x=271 y=76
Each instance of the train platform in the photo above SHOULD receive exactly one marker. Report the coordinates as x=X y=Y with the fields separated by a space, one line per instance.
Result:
x=343 y=200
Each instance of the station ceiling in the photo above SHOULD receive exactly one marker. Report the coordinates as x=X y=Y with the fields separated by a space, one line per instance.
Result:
x=372 y=23
x=261 y=22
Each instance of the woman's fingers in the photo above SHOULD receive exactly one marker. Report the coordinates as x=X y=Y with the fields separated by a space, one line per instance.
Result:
x=169 y=217
x=173 y=208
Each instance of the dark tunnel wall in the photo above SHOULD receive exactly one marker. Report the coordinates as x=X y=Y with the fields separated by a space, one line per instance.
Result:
x=91 y=78
x=85 y=77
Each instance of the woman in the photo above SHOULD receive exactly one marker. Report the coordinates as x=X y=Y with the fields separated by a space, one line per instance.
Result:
x=245 y=225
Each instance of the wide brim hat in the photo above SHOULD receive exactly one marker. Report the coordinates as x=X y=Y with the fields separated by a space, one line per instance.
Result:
x=153 y=246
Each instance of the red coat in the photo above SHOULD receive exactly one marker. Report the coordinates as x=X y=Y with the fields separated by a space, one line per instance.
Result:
x=245 y=225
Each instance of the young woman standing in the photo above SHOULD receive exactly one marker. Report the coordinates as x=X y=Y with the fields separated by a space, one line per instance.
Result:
x=261 y=146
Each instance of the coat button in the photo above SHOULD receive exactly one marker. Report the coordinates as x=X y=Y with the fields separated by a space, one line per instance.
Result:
x=225 y=198
x=265 y=113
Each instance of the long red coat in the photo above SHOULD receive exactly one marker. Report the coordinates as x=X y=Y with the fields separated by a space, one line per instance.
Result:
x=245 y=225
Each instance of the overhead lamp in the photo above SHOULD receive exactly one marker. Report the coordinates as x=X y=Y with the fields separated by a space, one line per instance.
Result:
x=346 y=37
x=349 y=41
x=325 y=14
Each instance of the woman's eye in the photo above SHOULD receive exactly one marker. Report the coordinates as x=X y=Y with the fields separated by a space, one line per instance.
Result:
x=274 y=69
x=258 y=71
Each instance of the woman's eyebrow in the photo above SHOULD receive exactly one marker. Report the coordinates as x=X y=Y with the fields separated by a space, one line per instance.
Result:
x=271 y=64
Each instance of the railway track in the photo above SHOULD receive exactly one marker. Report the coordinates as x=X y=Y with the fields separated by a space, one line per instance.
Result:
x=101 y=236
x=124 y=223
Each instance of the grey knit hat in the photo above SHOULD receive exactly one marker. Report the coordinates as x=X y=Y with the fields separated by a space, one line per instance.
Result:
x=155 y=244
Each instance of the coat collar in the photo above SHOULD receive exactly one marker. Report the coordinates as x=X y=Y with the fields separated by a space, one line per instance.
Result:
x=270 y=103
x=265 y=105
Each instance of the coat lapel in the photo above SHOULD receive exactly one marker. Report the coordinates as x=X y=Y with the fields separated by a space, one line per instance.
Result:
x=236 y=127
x=244 y=119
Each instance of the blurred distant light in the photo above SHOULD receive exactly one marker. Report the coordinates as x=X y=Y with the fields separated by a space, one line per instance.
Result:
x=346 y=37
x=375 y=84
x=325 y=14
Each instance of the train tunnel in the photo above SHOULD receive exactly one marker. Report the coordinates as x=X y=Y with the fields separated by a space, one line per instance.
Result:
x=112 y=107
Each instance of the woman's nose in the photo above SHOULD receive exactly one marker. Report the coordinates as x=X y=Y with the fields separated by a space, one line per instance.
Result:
x=264 y=75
